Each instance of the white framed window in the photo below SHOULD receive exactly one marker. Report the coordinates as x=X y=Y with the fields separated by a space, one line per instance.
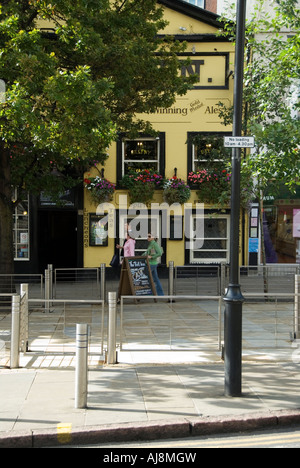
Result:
x=200 y=160
x=209 y=152
x=21 y=229
x=139 y=154
x=214 y=247
x=198 y=3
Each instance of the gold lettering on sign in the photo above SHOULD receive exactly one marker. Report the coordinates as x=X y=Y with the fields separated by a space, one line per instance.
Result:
x=211 y=110
x=196 y=105
x=172 y=110
x=86 y=231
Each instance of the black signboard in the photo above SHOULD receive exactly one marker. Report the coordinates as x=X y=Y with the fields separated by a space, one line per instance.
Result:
x=136 y=278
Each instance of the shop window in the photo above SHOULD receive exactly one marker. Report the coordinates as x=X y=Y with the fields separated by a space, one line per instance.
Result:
x=21 y=228
x=282 y=231
x=214 y=247
x=135 y=155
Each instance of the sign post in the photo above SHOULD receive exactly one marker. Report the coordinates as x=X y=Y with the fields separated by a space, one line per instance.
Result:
x=234 y=298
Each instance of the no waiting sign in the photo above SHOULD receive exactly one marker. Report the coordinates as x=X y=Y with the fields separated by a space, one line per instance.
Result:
x=239 y=142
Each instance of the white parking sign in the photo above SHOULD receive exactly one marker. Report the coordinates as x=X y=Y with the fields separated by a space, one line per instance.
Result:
x=239 y=142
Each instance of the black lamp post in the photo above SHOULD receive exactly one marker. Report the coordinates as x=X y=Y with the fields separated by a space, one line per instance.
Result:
x=234 y=298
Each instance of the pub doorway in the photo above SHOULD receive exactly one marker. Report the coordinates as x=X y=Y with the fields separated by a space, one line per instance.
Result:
x=57 y=239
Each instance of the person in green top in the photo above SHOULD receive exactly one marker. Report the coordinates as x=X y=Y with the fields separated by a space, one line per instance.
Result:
x=153 y=252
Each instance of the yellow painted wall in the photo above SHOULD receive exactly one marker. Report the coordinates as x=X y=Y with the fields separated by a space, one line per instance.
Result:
x=178 y=21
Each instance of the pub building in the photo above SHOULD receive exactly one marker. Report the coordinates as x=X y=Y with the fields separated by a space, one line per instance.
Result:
x=175 y=150
x=189 y=135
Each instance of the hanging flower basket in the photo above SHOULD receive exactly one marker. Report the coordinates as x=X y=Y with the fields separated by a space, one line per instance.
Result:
x=176 y=191
x=100 y=190
x=213 y=185
x=141 y=185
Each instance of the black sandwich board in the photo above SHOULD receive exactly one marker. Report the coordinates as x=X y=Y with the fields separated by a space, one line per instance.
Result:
x=136 y=278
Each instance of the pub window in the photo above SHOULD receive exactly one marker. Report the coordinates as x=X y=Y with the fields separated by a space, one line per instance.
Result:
x=145 y=152
x=214 y=247
x=207 y=150
x=21 y=228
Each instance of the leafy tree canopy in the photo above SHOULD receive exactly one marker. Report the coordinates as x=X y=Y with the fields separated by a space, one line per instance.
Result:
x=271 y=94
x=76 y=73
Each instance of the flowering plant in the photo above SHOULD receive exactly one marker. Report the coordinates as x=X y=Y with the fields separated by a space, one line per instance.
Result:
x=141 y=185
x=100 y=190
x=214 y=185
x=176 y=191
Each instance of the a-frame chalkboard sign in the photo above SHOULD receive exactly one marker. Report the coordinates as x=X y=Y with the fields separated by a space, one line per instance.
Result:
x=136 y=278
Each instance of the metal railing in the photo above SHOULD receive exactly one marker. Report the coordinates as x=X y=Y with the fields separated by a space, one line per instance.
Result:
x=61 y=323
x=10 y=283
x=169 y=326
x=214 y=279
x=81 y=283
x=38 y=334
x=198 y=280
x=267 y=279
x=270 y=320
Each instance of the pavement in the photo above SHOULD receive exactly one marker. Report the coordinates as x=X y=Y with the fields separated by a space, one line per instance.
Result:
x=148 y=395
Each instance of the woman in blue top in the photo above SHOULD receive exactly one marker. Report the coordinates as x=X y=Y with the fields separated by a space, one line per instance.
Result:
x=153 y=252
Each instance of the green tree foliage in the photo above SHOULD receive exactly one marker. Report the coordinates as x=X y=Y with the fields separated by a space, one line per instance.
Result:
x=76 y=73
x=272 y=77
x=271 y=90
x=271 y=99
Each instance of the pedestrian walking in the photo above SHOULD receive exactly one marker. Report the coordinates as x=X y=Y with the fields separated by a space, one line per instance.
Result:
x=153 y=252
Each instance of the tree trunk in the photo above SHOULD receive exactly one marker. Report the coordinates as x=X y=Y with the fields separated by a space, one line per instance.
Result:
x=6 y=222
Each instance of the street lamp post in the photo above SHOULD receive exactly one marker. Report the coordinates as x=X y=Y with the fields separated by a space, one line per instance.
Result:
x=234 y=298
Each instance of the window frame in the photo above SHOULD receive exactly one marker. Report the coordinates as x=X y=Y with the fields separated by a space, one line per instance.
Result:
x=191 y=148
x=17 y=230
x=121 y=153
x=196 y=3
x=190 y=253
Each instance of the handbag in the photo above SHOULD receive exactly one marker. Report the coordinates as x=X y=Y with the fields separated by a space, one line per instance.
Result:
x=115 y=261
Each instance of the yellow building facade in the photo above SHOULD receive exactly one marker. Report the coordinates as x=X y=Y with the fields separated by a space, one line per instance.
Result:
x=172 y=152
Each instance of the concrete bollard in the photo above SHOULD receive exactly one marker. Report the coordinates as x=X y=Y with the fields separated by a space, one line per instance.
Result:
x=24 y=331
x=81 y=370
x=297 y=308
x=47 y=291
x=171 y=278
x=112 y=324
x=103 y=281
x=15 y=333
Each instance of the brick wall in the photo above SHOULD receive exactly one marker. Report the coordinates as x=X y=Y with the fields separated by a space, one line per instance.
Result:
x=211 y=5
